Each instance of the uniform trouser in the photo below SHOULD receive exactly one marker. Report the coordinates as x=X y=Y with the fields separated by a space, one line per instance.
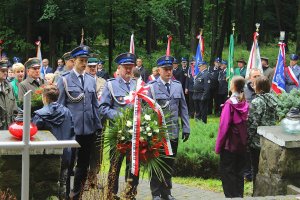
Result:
x=254 y=153
x=213 y=101
x=64 y=167
x=231 y=169
x=96 y=156
x=201 y=110
x=71 y=171
x=221 y=100
x=132 y=181
x=83 y=162
x=163 y=188
x=191 y=104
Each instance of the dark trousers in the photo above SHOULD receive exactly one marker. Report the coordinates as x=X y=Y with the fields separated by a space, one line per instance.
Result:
x=83 y=163
x=248 y=169
x=213 y=102
x=231 y=169
x=191 y=104
x=254 y=153
x=71 y=170
x=96 y=156
x=163 y=188
x=201 y=110
x=132 y=181
x=221 y=100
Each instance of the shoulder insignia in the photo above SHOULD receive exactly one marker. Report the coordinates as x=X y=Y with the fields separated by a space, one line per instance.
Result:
x=65 y=73
x=111 y=79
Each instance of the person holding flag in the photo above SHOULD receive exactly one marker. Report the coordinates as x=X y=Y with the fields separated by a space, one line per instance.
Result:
x=189 y=87
x=292 y=74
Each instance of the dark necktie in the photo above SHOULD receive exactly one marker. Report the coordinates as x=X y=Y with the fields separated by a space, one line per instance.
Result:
x=168 y=87
x=128 y=85
x=37 y=83
x=81 y=79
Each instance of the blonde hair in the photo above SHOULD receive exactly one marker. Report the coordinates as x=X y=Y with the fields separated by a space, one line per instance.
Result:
x=155 y=69
x=18 y=66
x=50 y=76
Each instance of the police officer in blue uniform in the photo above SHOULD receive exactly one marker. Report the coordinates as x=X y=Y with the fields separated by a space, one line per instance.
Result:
x=111 y=102
x=189 y=87
x=214 y=73
x=202 y=92
x=223 y=85
x=169 y=94
x=294 y=67
x=101 y=71
x=77 y=91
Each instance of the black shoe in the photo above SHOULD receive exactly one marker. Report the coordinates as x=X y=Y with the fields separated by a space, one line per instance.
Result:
x=169 y=197
x=156 y=198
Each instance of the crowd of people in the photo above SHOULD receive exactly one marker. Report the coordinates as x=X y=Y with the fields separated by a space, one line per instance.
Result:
x=79 y=97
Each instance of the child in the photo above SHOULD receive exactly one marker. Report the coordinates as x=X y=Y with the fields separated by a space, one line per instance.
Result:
x=58 y=120
x=154 y=74
x=232 y=140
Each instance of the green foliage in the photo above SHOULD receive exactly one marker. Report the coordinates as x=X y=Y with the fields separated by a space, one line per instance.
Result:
x=286 y=101
x=50 y=11
x=197 y=157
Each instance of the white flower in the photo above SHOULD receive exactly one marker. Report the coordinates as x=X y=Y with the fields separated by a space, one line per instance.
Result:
x=129 y=124
x=130 y=131
x=155 y=122
x=148 y=129
x=141 y=139
x=156 y=130
x=147 y=117
x=122 y=138
x=120 y=131
x=149 y=134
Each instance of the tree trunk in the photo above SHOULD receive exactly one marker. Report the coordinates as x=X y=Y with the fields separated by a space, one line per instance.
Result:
x=240 y=21
x=110 y=39
x=195 y=21
x=225 y=22
x=251 y=24
x=214 y=30
x=181 y=26
x=52 y=45
x=28 y=25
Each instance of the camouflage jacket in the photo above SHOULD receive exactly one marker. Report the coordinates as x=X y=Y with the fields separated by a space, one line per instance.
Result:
x=262 y=113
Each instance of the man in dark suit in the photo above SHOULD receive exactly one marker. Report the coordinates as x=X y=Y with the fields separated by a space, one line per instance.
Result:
x=101 y=73
x=177 y=72
x=45 y=69
x=77 y=91
x=141 y=68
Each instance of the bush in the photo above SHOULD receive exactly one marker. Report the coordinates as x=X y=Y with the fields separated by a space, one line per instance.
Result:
x=197 y=157
x=286 y=101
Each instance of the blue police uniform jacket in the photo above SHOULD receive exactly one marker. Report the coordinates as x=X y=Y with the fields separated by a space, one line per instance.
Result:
x=112 y=98
x=173 y=104
x=289 y=84
x=202 y=86
x=189 y=83
x=85 y=112
x=214 y=73
x=223 y=84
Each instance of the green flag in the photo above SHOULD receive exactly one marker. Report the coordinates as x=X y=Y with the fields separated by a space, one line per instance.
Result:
x=230 y=71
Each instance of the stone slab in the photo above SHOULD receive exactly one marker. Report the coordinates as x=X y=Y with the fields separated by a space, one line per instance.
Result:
x=5 y=136
x=276 y=135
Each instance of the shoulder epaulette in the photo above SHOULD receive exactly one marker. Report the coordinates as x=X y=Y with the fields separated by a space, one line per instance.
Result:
x=151 y=82
x=89 y=75
x=65 y=73
x=111 y=79
x=176 y=81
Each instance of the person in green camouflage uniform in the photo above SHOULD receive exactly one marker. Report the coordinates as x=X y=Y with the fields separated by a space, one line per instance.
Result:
x=262 y=113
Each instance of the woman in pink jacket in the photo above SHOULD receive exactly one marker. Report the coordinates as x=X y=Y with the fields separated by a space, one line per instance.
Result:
x=232 y=139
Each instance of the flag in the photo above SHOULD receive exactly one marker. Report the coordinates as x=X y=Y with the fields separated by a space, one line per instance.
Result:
x=199 y=53
x=131 y=48
x=168 y=52
x=230 y=71
x=39 y=56
x=254 y=58
x=278 y=83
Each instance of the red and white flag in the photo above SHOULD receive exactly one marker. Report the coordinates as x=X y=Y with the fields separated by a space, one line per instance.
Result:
x=168 y=52
x=38 y=51
x=254 y=58
x=132 y=48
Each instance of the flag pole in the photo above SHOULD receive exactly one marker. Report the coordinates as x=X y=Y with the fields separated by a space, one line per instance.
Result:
x=82 y=37
x=230 y=58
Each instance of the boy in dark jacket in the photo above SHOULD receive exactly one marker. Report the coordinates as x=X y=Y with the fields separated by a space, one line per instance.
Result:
x=58 y=120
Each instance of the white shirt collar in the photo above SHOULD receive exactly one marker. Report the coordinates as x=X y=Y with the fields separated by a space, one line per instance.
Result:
x=165 y=82
x=77 y=74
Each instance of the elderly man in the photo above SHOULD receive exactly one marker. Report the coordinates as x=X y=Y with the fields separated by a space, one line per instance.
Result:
x=142 y=69
x=45 y=69
x=77 y=91
x=8 y=105
x=33 y=80
x=101 y=71
x=111 y=102
x=292 y=74
x=169 y=94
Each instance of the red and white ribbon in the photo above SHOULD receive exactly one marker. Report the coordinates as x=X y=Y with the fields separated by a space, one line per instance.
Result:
x=292 y=76
x=135 y=97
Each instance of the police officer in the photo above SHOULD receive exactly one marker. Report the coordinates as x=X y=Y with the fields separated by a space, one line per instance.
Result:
x=177 y=72
x=223 y=85
x=101 y=71
x=214 y=73
x=8 y=104
x=184 y=67
x=169 y=94
x=292 y=74
x=201 y=92
x=33 y=80
x=189 y=87
x=77 y=91
x=111 y=102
